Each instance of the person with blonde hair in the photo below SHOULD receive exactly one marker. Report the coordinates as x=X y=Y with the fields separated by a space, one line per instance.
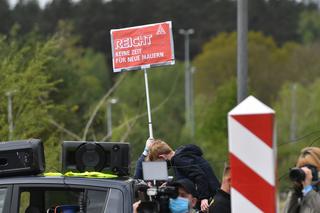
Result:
x=305 y=198
x=187 y=162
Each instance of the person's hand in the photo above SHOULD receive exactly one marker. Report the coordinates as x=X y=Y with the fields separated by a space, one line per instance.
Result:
x=297 y=189
x=308 y=180
x=149 y=143
x=204 y=205
x=163 y=185
x=135 y=206
x=147 y=147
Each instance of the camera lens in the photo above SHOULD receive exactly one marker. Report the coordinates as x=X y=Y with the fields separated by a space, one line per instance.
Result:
x=297 y=175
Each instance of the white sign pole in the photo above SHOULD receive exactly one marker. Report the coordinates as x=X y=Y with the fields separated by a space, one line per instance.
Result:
x=142 y=47
x=148 y=103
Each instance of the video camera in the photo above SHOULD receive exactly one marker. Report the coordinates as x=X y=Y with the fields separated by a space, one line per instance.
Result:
x=298 y=175
x=155 y=198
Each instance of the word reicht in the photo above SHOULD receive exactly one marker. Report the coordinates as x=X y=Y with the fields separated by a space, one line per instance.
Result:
x=138 y=41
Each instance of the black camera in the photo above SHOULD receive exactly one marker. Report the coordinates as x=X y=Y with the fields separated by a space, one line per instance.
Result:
x=298 y=175
x=155 y=199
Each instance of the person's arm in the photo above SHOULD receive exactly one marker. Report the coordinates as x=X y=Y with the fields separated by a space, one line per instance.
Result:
x=138 y=171
x=192 y=171
x=292 y=203
x=311 y=199
x=311 y=202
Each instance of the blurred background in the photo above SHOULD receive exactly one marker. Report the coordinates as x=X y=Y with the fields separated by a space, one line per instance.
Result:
x=57 y=82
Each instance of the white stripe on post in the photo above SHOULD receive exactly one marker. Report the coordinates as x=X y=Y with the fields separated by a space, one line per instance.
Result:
x=242 y=204
x=252 y=157
x=251 y=150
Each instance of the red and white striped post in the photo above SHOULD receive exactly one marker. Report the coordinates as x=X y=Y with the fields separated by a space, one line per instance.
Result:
x=252 y=157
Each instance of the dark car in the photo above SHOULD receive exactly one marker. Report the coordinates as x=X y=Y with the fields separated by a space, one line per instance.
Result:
x=36 y=194
x=25 y=188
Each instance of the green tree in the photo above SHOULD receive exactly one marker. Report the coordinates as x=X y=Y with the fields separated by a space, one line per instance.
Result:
x=83 y=78
x=217 y=64
x=212 y=123
x=27 y=15
x=55 y=11
x=309 y=26
x=275 y=18
x=22 y=72
x=297 y=111
x=303 y=65
x=94 y=18
x=5 y=17
x=54 y=85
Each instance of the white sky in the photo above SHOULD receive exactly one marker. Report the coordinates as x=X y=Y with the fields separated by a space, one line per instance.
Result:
x=41 y=2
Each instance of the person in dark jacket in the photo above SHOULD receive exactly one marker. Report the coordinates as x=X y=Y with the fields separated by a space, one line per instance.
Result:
x=187 y=162
x=221 y=202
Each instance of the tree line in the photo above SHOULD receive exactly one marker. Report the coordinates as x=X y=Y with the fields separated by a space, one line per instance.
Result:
x=92 y=19
x=53 y=61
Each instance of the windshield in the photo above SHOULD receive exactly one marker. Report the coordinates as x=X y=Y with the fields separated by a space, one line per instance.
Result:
x=73 y=200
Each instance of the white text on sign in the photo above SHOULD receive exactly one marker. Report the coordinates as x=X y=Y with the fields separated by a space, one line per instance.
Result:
x=137 y=57
x=130 y=42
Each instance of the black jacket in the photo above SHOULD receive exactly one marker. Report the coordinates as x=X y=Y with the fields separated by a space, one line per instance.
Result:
x=189 y=163
x=221 y=203
x=138 y=174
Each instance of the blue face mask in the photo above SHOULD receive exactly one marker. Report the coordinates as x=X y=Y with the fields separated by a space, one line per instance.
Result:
x=179 y=205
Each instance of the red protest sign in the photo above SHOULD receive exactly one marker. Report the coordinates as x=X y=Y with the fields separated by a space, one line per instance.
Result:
x=142 y=46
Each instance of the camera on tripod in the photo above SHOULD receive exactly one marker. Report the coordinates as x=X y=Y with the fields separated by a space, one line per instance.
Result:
x=296 y=174
x=155 y=198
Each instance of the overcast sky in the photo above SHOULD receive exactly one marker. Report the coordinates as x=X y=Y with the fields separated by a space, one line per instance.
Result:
x=41 y=2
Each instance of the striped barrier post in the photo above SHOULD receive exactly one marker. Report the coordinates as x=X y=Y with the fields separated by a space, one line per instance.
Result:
x=252 y=157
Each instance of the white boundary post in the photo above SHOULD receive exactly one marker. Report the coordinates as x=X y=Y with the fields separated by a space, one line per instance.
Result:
x=252 y=152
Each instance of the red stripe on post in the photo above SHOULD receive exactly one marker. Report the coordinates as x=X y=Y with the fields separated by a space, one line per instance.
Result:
x=261 y=125
x=252 y=186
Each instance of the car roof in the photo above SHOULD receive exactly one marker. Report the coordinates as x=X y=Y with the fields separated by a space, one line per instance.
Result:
x=62 y=180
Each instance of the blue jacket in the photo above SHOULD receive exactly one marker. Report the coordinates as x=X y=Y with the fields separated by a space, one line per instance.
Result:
x=189 y=163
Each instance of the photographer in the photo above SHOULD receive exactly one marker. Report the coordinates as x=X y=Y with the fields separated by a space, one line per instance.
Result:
x=187 y=162
x=305 y=198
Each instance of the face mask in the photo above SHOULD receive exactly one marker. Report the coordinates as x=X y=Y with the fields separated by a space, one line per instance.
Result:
x=179 y=205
